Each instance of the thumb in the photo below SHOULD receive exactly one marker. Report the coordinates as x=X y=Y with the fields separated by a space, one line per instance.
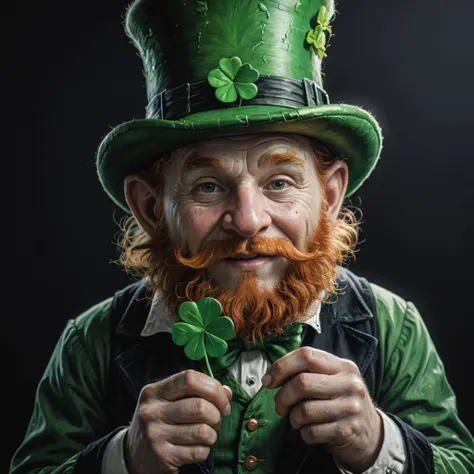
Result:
x=228 y=392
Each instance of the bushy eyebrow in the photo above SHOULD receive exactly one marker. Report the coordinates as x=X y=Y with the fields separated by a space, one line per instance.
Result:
x=286 y=158
x=196 y=161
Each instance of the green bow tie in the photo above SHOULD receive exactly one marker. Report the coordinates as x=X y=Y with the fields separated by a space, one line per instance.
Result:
x=275 y=348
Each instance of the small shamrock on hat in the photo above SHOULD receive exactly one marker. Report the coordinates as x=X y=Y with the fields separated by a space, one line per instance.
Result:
x=317 y=37
x=232 y=80
x=204 y=331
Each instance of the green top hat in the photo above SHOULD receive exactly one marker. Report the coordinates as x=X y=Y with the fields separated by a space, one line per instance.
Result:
x=221 y=68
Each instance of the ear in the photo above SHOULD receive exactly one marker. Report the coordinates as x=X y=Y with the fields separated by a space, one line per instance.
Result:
x=337 y=179
x=141 y=199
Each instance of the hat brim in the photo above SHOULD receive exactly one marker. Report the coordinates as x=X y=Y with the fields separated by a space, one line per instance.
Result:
x=346 y=131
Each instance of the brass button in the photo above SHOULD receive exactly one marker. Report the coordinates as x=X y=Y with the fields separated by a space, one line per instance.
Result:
x=250 y=463
x=252 y=424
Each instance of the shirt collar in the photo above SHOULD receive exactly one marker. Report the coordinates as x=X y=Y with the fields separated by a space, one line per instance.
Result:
x=160 y=319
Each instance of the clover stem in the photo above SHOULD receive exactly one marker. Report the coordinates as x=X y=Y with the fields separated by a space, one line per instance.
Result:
x=208 y=365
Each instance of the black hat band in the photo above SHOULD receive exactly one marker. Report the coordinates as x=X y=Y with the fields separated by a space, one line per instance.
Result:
x=188 y=98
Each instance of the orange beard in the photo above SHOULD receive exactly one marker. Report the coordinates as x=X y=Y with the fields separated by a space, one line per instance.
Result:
x=257 y=312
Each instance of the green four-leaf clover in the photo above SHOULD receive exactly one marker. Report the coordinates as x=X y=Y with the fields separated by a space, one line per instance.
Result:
x=204 y=331
x=317 y=37
x=232 y=79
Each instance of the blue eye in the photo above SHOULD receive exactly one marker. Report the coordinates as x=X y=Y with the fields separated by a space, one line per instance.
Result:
x=278 y=184
x=208 y=187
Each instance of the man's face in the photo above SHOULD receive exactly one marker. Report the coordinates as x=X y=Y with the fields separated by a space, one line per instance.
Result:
x=245 y=188
x=270 y=198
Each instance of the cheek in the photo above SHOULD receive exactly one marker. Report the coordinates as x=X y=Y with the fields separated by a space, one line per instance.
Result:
x=197 y=221
x=296 y=220
x=197 y=224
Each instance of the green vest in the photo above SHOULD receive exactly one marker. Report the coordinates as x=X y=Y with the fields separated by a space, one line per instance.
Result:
x=250 y=438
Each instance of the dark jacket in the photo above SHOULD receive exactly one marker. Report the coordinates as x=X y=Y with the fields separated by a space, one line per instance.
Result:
x=91 y=385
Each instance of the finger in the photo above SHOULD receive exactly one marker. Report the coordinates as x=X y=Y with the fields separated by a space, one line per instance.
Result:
x=192 y=435
x=318 y=386
x=228 y=392
x=334 y=434
x=191 y=382
x=176 y=456
x=191 y=410
x=306 y=359
x=323 y=411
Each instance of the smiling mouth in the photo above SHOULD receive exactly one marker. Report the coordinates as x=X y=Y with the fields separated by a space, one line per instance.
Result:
x=251 y=256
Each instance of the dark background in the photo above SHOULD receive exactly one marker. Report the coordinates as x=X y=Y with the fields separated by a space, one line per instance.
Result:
x=70 y=74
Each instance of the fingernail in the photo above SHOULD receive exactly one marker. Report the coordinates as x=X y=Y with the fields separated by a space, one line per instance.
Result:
x=267 y=380
x=229 y=390
x=227 y=409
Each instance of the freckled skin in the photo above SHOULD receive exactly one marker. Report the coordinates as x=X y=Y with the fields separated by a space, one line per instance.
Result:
x=243 y=199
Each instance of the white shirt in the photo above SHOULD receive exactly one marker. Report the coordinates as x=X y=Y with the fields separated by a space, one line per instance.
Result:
x=248 y=370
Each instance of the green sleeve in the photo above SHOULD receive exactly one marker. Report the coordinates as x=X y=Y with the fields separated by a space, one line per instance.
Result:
x=415 y=387
x=68 y=412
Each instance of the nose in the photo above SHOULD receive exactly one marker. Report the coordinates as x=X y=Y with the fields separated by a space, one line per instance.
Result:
x=247 y=215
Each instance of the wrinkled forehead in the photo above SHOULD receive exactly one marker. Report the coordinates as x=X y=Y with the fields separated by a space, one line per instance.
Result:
x=249 y=147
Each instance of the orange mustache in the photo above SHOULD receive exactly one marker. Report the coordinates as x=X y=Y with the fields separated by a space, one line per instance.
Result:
x=216 y=250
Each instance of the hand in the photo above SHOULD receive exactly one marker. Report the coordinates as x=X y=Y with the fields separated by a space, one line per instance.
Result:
x=326 y=397
x=175 y=423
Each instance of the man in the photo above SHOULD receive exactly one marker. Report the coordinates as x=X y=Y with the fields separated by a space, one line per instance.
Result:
x=236 y=181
